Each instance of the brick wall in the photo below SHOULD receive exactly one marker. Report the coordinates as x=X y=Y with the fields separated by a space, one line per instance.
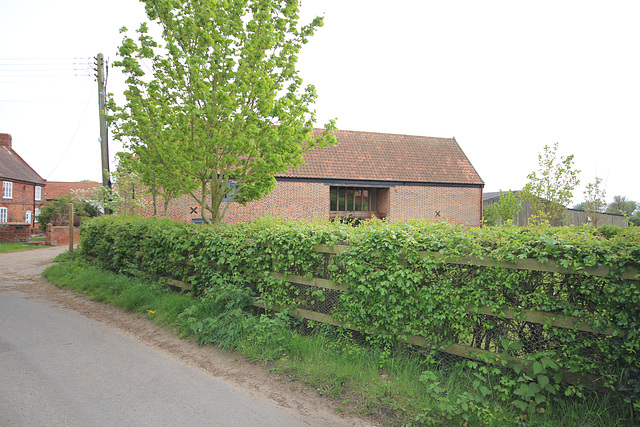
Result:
x=457 y=205
x=308 y=201
x=59 y=235
x=14 y=232
x=292 y=200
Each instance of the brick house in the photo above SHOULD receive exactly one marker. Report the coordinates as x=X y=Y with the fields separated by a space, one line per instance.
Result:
x=398 y=177
x=22 y=187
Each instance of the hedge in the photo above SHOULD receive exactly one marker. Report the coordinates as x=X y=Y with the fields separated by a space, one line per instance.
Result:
x=407 y=280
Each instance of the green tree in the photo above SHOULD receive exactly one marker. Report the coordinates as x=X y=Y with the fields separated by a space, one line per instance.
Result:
x=223 y=108
x=124 y=196
x=505 y=210
x=594 y=200
x=628 y=208
x=147 y=173
x=550 y=189
x=56 y=211
x=622 y=206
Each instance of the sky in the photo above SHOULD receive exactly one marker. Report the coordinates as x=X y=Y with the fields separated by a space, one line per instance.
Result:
x=505 y=78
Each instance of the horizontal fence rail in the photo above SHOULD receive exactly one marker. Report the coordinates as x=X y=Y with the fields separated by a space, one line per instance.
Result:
x=546 y=319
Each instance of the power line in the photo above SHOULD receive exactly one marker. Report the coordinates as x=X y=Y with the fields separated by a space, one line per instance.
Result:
x=74 y=133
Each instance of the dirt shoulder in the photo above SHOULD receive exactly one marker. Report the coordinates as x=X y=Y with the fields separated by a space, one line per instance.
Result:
x=24 y=269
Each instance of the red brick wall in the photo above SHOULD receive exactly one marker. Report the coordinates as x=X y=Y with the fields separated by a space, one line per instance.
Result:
x=457 y=205
x=307 y=201
x=59 y=235
x=21 y=202
x=292 y=200
x=14 y=232
x=179 y=210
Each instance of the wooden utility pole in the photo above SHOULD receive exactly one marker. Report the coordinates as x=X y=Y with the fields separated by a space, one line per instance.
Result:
x=102 y=96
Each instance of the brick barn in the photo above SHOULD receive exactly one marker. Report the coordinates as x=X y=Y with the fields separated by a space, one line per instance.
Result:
x=398 y=177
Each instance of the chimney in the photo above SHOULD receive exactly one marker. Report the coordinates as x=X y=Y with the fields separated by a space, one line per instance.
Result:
x=5 y=139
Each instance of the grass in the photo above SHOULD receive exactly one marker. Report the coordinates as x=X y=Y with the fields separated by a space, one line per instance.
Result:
x=396 y=386
x=16 y=247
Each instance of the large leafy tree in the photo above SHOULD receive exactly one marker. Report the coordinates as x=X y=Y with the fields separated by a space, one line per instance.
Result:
x=550 y=189
x=223 y=107
x=622 y=206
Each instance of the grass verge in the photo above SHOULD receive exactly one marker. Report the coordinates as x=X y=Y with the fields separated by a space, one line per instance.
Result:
x=16 y=247
x=396 y=386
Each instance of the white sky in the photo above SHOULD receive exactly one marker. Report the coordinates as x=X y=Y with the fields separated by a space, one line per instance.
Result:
x=505 y=78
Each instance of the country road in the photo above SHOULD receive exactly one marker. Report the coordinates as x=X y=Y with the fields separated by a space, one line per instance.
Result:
x=68 y=361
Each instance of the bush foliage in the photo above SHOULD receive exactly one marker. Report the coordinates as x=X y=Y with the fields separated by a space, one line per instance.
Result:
x=395 y=291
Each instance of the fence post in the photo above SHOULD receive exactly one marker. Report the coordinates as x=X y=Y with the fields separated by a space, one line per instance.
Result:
x=70 y=227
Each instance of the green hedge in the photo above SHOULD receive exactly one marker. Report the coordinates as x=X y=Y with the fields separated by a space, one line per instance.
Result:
x=394 y=291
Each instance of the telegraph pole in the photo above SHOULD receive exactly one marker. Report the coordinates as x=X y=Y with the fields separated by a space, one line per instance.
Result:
x=104 y=147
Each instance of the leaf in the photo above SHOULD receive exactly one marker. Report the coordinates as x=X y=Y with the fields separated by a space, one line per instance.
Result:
x=543 y=381
x=520 y=405
x=537 y=368
x=484 y=390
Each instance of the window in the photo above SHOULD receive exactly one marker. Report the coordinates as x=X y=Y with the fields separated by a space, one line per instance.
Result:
x=36 y=212
x=7 y=190
x=3 y=214
x=353 y=199
x=38 y=193
x=234 y=189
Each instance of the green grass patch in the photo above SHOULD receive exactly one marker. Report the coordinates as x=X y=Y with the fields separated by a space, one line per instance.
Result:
x=16 y=247
x=396 y=385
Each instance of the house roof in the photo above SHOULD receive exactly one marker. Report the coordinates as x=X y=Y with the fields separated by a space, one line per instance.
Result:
x=58 y=188
x=12 y=167
x=374 y=156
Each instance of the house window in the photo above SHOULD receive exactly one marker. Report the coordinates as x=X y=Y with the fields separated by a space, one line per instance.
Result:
x=38 y=193
x=234 y=189
x=353 y=199
x=36 y=212
x=3 y=214
x=7 y=190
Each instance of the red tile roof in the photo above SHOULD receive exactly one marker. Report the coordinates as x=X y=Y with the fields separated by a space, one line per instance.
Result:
x=389 y=157
x=57 y=188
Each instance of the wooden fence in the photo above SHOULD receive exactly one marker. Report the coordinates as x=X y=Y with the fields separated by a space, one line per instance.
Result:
x=547 y=319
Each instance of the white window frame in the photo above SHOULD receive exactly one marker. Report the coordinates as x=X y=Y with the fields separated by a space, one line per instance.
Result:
x=36 y=212
x=3 y=214
x=7 y=190
x=38 y=195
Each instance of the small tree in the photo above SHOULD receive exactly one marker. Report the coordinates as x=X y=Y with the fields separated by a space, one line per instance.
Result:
x=551 y=188
x=56 y=211
x=121 y=199
x=594 y=200
x=505 y=210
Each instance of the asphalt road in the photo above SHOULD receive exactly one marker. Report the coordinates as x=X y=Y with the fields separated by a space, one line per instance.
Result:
x=58 y=367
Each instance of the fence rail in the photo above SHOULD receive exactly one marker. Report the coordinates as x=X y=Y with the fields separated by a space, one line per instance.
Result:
x=546 y=319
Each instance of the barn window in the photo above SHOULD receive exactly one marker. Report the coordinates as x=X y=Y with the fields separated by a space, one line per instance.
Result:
x=343 y=200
